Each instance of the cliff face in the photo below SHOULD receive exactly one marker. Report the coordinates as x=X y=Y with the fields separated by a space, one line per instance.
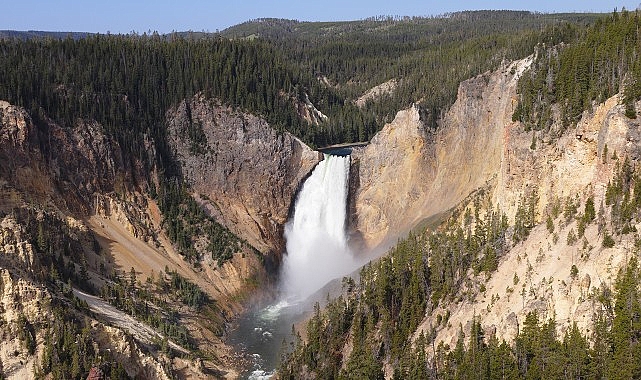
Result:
x=244 y=171
x=408 y=173
x=65 y=165
x=536 y=275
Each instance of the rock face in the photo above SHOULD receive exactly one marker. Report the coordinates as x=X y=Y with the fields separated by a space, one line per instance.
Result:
x=47 y=161
x=408 y=173
x=376 y=92
x=19 y=298
x=575 y=166
x=244 y=170
x=76 y=176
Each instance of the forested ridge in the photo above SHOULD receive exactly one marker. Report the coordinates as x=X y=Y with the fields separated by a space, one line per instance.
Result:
x=128 y=82
x=430 y=56
x=575 y=77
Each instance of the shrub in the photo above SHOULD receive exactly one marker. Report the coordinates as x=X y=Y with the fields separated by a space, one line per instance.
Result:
x=608 y=241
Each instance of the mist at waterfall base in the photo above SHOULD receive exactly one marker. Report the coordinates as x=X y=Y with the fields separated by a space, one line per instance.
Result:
x=317 y=253
x=317 y=250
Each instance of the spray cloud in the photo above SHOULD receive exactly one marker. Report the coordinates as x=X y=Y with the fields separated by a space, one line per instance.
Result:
x=317 y=250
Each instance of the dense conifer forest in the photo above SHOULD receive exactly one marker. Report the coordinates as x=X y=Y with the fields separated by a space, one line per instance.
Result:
x=128 y=82
x=577 y=76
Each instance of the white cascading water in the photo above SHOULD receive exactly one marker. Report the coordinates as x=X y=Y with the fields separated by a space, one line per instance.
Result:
x=317 y=250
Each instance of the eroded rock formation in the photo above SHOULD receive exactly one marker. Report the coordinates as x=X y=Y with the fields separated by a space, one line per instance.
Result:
x=408 y=173
x=243 y=170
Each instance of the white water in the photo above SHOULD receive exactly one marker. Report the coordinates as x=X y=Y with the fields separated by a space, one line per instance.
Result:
x=317 y=250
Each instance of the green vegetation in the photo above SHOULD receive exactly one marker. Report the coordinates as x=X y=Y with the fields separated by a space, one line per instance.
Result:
x=70 y=351
x=379 y=336
x=427 y=55
x=188 y=293
x=393 y=295
x=602 y=61
x=185 y=221
x=526 y=214
x=623 y=195
x=152 y=302
x=456 y=249
x=127 y=83
x=539 y=353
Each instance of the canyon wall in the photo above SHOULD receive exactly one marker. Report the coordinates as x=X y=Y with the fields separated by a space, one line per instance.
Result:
x=547 y=273
x=76 y=176
x=408 y=172
x=242 y=170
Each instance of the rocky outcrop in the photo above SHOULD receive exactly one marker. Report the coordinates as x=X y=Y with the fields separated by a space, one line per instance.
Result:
x=307 y=111
x=389 y=173
x=242 y=169
x=26 y=313
x=127 y=352
x=21 y=305
x=66 y=165
x=573 y=165
x=376 y=92
x=408 y=173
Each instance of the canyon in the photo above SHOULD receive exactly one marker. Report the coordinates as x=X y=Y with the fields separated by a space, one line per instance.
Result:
x=246 y=176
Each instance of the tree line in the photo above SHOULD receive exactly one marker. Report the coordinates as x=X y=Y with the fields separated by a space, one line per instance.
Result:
x=602 y=62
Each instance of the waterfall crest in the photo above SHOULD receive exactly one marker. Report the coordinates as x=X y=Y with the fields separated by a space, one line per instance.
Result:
x=317 y=249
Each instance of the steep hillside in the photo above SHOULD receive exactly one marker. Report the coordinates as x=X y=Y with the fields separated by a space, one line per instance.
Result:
x=536 y=254
x=573 y=169
x=74 y=218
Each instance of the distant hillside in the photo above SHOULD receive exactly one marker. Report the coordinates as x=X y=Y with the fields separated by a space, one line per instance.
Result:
x=24 y=35
x=428 y=56
x=397 y=27
x=287 y=71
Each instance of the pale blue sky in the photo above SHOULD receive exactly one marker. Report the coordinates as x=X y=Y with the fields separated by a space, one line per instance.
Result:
x=124 y=16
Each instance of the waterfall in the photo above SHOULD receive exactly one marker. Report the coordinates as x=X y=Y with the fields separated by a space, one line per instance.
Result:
x=317 y=250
